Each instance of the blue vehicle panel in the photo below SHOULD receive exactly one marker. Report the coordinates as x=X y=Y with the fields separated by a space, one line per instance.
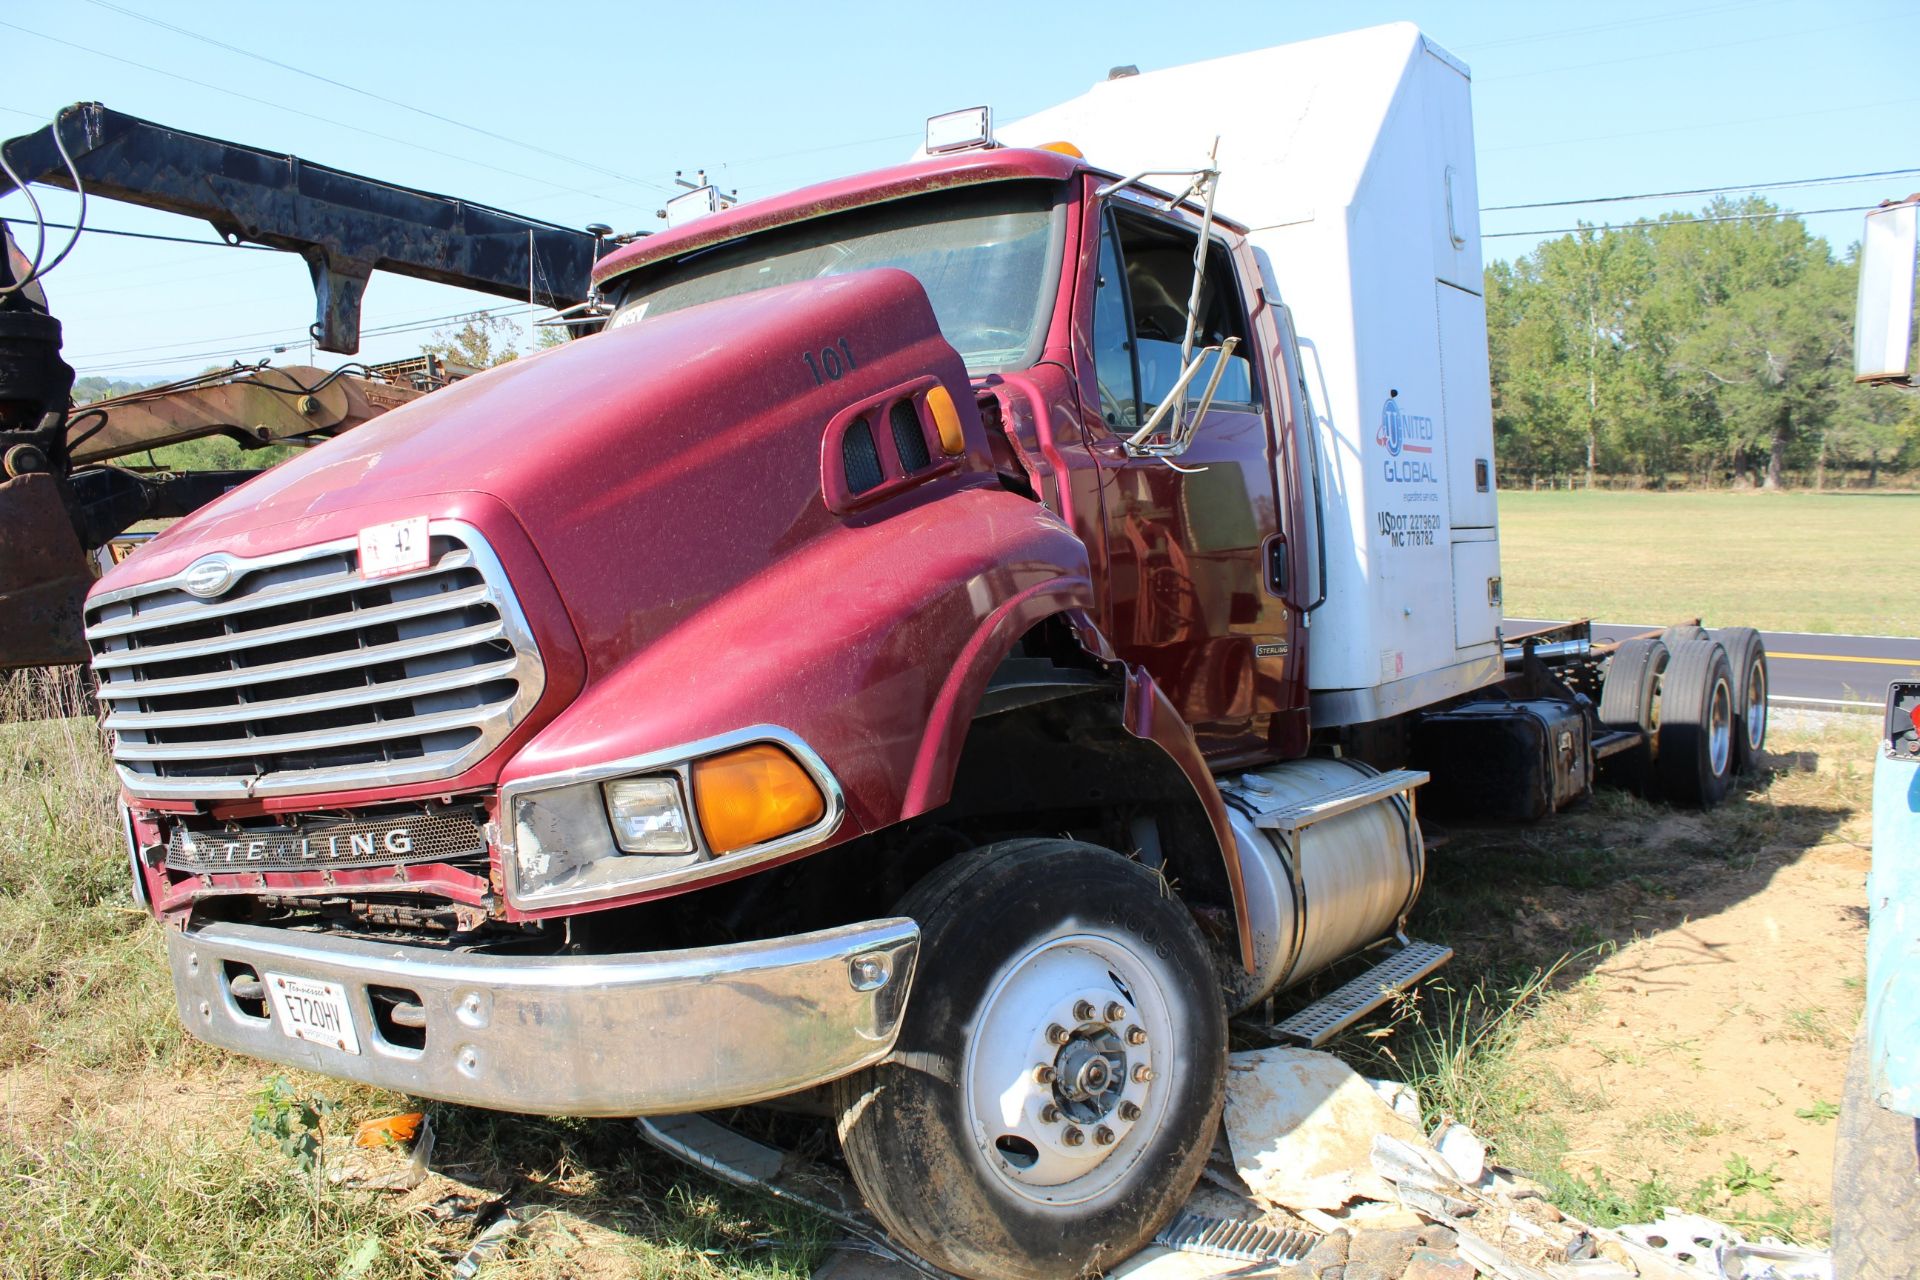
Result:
x=1893 y=898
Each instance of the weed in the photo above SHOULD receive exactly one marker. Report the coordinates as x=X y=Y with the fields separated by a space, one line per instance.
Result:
x=291 y=1121
x=1820 y=1112
x=1680 y=1127
x=1741 y=1178
x=1809 y=1023
x=1598 y=1201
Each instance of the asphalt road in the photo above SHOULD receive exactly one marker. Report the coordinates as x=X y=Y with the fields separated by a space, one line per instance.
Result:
x=1836 y=672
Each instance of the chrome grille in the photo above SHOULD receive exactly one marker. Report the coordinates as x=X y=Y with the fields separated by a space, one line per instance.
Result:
x=372 y=842
x=303 y=676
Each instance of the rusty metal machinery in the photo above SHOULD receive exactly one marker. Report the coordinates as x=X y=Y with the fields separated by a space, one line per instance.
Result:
x=60 y=495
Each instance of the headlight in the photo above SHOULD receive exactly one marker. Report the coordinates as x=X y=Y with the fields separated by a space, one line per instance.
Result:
x=667 y=818
x=647 y=815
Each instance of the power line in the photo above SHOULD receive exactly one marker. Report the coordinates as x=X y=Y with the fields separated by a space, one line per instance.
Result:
x=146 y=235
x=1694 y=128
x=1706 y=191
x=1670 y=222
x=397 y=326
x=1613 y=26
x=412 y=145
x=288 y=340
x=377 y=97
x=1668 y=53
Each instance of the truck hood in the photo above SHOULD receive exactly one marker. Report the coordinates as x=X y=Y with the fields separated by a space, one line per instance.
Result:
x=653 y=465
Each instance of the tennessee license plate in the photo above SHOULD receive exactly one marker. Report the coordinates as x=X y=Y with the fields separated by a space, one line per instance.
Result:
x=312 y=1011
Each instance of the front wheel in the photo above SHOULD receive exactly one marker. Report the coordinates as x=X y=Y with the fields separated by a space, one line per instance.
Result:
x=1059 y=1075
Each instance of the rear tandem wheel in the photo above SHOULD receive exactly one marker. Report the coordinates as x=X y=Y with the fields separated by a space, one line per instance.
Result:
x=1694 y=751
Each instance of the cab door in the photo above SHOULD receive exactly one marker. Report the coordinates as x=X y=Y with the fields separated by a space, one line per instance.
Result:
x=1197 y=560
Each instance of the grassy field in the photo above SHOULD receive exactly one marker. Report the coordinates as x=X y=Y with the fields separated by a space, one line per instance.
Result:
x=128 y=1149
x=1783 y=561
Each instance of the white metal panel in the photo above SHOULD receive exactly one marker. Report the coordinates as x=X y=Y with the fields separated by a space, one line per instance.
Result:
x=1466 y=396
x=1448 y=167
x=1476 y=593
x=1883 y=309
x=1340 y=154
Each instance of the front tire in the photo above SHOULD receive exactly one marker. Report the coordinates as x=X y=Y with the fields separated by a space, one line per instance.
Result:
x=1059 y=1075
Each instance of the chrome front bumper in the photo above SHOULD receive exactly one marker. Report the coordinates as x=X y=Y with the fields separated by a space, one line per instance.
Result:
x=650 y=1033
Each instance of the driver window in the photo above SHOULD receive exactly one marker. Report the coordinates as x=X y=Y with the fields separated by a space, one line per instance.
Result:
x=1158 y=259
x=1113 y=341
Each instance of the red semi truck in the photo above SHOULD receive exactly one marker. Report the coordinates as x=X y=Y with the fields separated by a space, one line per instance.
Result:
x=951 y=640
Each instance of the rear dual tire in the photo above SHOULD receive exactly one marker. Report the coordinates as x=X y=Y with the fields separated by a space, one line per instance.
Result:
x=1630 y=699
x=1694 y=758
x=1059 y=1075
x=1700 y=704
x=1750 y=687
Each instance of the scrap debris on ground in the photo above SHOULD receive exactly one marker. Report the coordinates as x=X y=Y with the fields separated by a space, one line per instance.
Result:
x=1313 y=1152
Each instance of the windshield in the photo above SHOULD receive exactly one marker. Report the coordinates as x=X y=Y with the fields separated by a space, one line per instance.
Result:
x=988 y=258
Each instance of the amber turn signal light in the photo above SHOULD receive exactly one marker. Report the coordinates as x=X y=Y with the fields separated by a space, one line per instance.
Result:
x=946 y=419
x=753 y=795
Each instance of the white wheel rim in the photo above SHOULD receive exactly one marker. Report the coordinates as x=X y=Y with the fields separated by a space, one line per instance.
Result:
x=1720 y=727
x=1068 y=1137
x=1756 y=704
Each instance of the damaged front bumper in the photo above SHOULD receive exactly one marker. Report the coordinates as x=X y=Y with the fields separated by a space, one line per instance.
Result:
x=648 y=1033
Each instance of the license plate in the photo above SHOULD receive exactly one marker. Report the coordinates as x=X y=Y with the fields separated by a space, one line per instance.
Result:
x=312 y=1011
x=393 y=548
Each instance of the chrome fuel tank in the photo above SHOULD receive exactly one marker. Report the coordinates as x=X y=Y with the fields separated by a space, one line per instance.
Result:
x=1319 y=892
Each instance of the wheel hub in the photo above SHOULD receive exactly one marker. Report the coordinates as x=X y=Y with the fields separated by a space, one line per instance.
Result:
x=1720 y=727
x=1061 y=1079
x=1090 y=1073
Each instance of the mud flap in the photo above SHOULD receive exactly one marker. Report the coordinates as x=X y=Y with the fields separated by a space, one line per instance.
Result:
x=44 y=577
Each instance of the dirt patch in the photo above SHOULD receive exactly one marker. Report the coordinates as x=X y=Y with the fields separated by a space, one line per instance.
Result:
x=1706 y=974
x=1710 y=1054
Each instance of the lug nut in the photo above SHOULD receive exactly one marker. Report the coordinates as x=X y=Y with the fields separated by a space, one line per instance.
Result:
x=1073 y=1137
x=1129 y=1111
x=1083 y=1011
x=1116 y=1012
x=1103 y=1136
x=1057 y=1034
x=1143 y=1074
x=1136 y=1035
x=1049 y=1114
x=1043 y=1074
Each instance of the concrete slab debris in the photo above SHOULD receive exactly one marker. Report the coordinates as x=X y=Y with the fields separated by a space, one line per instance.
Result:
x=1301 y=1125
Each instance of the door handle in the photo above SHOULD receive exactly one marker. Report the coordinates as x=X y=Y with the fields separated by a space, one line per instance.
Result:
x=1277 y=579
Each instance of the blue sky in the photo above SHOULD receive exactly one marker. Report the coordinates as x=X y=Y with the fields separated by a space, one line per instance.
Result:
x=1570 y=101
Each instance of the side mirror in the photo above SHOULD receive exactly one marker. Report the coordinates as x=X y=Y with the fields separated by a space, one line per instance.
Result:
x=1883 y=312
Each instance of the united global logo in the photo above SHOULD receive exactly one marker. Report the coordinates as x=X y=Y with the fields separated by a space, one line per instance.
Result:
x=1403 y=431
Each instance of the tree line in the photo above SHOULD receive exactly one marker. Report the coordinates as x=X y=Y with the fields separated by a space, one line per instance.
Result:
x=1707 y=348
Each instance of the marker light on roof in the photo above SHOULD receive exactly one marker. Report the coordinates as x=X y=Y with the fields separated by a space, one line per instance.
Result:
x=697 y=203
x=960 y=130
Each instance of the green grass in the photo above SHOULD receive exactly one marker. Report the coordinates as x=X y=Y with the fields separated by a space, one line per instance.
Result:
x=1780 y=561
x=127 y=1148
